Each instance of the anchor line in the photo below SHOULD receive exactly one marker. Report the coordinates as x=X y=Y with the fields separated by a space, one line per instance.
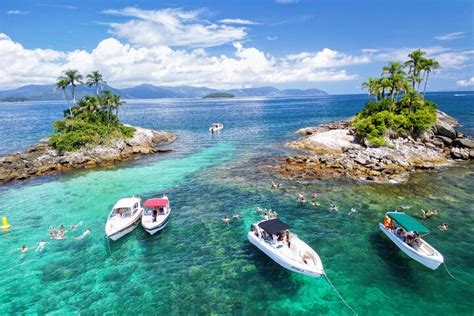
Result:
x=338 y=294
x=444 y=264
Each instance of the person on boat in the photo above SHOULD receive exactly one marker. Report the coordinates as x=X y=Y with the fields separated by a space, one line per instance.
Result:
x=387 y=222
x=41 y=245
x=409 y=239
x=84 y=234
x=226 y=220
x=401 y=234
x=23 y=249
x=443 y=227
x=288 y=239
x=154 y=214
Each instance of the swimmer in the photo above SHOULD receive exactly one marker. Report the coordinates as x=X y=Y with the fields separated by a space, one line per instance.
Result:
x=41 y=245
x=443 y=227
x=315 y=204
x=226 y=220
x=314 y=195
x=236 y=216
x=84 y=234
x=51 y=235
x=301 y=198
x=333 y=208
x=428 y=214
x=259 y=209
x=265 y=216
x=23 y=249
x=274 y=185
x=406 y=207
x=272 y=214
x=73 y=227
x=353 y=210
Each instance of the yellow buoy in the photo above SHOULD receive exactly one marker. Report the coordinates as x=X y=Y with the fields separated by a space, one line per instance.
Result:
x=5 y=224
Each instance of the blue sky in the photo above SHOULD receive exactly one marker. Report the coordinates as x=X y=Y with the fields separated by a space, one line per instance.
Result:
x=332 y=45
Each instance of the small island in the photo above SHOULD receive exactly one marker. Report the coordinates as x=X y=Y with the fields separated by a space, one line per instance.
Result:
x=219 y=95
x=15 y=99
x=398 y=132
x=89 y=135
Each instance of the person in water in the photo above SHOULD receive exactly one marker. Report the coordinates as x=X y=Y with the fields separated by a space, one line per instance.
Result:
x=41 y=245
x=226 y=220
x=23 y=249
x=443 y=227
x=73 y=227
x=236 y=216
x=84 y=234
x=314 y=195
x=301 y=199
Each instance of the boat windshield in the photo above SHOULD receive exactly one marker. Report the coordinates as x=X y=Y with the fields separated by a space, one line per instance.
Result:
x=122 y=212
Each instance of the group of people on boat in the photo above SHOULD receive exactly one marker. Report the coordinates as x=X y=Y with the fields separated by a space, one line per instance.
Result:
x=411 y=238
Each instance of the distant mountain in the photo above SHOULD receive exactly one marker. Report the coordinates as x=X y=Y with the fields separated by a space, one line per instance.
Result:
x=148 y=91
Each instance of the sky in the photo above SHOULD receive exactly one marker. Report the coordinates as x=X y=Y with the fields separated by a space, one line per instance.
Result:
x=333 y=45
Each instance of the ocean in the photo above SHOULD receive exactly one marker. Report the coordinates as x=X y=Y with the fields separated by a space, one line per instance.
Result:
x=198 y=264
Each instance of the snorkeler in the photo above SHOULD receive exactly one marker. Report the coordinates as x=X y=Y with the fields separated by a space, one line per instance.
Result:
x=84 y=234
x=41 y=245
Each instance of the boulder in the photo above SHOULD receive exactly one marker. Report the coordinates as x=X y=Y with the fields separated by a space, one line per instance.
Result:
x=463 y=142
x=446 y=140
x=444 y=129
x=471 y=154
x=456 y=153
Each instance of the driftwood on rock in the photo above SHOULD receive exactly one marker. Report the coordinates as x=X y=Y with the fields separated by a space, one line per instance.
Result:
x=42 y=159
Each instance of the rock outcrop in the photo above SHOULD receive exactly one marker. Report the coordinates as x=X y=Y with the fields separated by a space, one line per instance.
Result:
x=331 y=150
x=42 y=159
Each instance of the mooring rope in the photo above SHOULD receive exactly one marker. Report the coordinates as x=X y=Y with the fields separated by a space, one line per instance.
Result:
x=444 y=264
x=338 y=294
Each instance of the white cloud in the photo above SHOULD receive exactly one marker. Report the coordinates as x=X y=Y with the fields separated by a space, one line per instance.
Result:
x=172 y=27
x=466 y=83
x=16 y=12
x=447 y=57
x=450 y=36
x=238 y=21
x=124 y=65
x=272 y=38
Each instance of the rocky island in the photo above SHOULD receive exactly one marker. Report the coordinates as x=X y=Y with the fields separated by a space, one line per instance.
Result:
x=90 y=135
x=394 y=135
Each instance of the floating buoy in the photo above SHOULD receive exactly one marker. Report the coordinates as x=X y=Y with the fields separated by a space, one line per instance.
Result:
x=5 y=224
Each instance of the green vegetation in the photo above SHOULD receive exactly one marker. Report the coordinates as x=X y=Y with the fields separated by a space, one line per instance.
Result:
x=91 y=121
x=219 y=95
x=396 y=107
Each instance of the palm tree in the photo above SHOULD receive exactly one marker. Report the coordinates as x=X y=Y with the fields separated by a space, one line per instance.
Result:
x=429 y=65
x=74 y=77
x=371 y=86
x=415 y=63
x=117 y=103
x=62 y=83
x=385 y=83
x=394 y=72
x=95 y=79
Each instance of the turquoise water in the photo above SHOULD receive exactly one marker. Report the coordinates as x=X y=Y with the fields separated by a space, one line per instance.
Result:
x=198 y=265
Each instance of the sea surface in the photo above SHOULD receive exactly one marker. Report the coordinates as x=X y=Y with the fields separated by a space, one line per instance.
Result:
x=198 y=264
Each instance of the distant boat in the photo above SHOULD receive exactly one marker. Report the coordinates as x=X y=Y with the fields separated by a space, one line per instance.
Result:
x=123 y=218
x=156 y=214
x=215 y=127
x=404 y=232
x=271 y=237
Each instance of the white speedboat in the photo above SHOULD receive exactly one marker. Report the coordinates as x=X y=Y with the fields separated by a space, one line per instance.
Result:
x=404 y=231
x=123 y=218
x=276 y=241
x=156 y=214
x=215 y=127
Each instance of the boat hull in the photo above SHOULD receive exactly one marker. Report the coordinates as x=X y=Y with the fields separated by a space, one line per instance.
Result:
x=156 y=228
x=432 y=262
x=124 y=231
x=292 y=266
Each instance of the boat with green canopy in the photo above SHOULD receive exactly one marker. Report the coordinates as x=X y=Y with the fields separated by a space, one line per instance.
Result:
x=404 y=231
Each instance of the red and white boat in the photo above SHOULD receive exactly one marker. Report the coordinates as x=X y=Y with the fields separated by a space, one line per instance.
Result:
x=156 y=214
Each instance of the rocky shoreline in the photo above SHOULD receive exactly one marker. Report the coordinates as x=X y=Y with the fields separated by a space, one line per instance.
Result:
x=42 y=159
x=332 y=151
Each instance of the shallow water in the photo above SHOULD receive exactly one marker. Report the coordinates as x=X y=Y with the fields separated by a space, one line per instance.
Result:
x=198 y=265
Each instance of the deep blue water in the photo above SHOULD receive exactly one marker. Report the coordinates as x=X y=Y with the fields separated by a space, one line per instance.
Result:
x=198 y=265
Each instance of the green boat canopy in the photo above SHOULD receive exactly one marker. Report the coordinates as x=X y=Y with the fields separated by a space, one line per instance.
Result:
x=408 y=222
